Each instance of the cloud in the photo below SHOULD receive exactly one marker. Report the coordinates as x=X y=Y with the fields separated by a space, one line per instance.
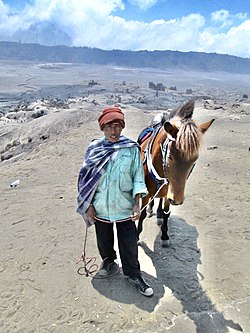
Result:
x=223 y=19
x=220 y=15
x=169 y=35
x=9 y=23
x=143 y=4
x=95 y=23
x=235 y=39
x=4 y=9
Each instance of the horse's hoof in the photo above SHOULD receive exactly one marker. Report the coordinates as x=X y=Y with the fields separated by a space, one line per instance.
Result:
x=165 y=243
x=159 y=221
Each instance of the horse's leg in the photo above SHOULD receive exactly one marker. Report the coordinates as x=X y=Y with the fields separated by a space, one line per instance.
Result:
x=150 y=208
x=164 y=228
x=160 y=214
x=142 y=217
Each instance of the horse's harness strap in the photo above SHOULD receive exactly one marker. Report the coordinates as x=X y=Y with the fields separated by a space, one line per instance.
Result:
x=165 y=148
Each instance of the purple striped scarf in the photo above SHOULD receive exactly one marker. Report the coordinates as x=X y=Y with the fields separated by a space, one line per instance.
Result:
x=95 y=163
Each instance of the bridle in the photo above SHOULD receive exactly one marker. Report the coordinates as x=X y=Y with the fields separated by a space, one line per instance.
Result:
x=165 y=154
x=89 y=266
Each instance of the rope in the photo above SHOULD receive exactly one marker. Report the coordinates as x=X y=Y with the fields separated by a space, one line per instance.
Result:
x=89 y=266
x=152 y=199
x=89 y=263
x=106 y=221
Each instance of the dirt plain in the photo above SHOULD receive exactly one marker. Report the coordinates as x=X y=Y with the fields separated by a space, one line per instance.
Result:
x=201 y=282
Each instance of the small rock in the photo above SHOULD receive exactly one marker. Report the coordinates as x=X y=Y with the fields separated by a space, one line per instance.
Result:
x=44 y=137
x=212 y=147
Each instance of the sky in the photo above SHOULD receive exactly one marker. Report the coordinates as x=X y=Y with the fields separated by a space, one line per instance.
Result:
x=220 y=26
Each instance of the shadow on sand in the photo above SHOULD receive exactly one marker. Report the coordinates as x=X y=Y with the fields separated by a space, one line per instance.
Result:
x=176 y=269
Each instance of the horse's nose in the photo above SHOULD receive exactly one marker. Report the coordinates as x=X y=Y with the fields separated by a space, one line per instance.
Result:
x=172 y=202
x=175 y=203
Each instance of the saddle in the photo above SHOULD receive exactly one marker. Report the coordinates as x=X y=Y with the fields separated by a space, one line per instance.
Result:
x=145 y=134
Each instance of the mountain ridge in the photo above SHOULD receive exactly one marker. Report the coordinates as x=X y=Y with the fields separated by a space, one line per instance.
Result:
x=200 y=61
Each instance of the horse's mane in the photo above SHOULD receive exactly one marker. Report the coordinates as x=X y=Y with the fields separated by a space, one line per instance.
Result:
x=189 y=138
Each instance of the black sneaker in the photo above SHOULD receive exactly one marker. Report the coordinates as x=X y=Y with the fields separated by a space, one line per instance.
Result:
x=141 y=285
x=106 y=267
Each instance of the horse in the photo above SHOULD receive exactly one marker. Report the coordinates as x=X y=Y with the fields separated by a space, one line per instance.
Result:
x=169 y=155
x=159 y=212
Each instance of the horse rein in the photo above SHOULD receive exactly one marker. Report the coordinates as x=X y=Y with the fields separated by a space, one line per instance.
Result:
x=165 y=152
x=89 y=266
x=89 y=263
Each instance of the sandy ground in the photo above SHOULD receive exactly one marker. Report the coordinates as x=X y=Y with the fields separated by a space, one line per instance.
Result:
x=201 y=282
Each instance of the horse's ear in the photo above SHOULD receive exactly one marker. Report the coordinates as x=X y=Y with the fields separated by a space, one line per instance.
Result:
x=186 y=111
x=170 y=129
x=205 y=126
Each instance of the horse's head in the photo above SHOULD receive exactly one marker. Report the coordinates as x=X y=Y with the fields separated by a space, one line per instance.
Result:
x=183 y=150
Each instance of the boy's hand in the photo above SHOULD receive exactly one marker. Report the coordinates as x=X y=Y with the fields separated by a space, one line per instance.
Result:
x=91 y=213
x=136 y=212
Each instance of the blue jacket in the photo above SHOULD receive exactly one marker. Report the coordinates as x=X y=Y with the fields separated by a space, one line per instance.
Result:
x=122 y=180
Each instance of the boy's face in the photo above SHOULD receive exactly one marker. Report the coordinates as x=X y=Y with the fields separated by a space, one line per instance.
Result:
x=112 y=131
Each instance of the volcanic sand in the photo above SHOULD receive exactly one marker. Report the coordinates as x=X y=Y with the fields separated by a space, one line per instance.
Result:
x=201 y=282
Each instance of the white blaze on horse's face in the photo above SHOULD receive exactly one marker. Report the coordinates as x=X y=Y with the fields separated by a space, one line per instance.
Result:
x=179 y=170
x=184 y=152
x=168 y=163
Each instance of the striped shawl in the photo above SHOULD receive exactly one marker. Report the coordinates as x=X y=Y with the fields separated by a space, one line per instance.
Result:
x=96 y=160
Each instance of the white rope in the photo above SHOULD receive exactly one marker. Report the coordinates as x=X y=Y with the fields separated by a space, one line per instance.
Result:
x=163 y=184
